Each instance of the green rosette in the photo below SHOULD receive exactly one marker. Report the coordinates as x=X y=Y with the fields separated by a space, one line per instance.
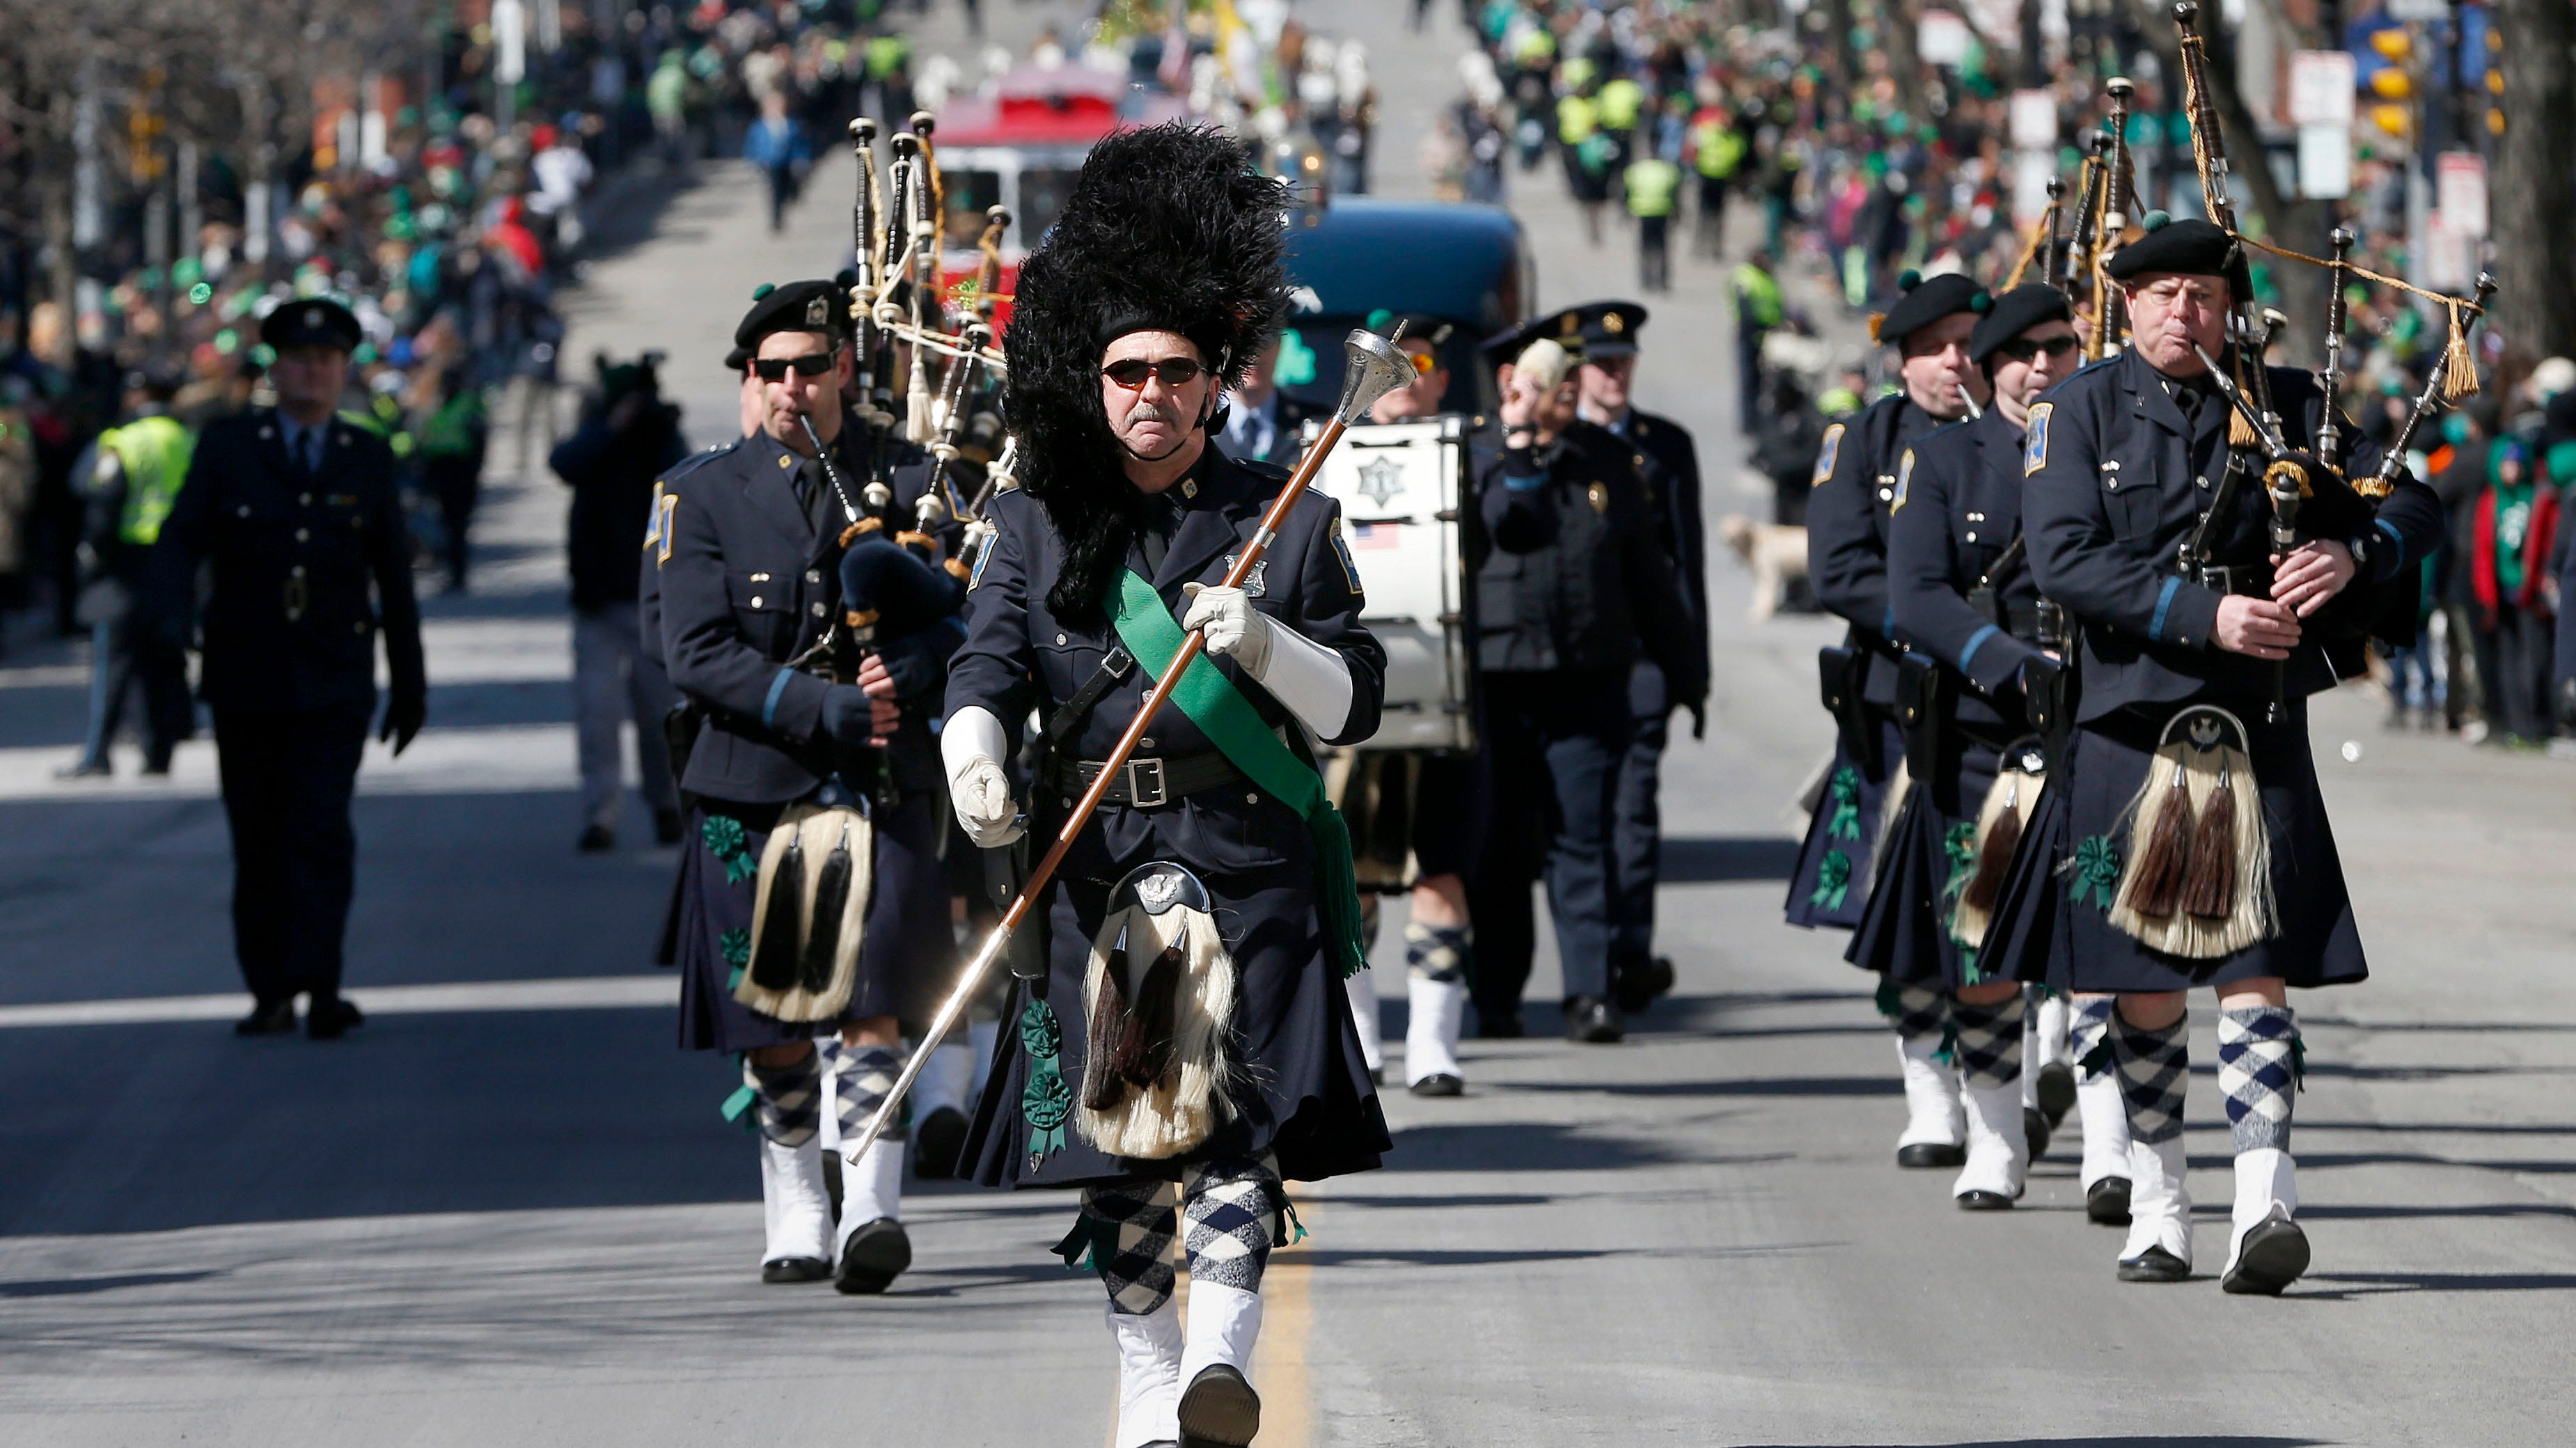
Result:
x=2097 y=871
x=1046 y=1100
x=1833 y=881
x=731 y=845
x=1843 y=793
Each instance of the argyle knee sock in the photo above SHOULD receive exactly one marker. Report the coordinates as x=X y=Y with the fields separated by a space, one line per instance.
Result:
x=790 y=1098
x=1438 y=952
x=2154 y=1066
x=862 y=1079
x=1229 y=1209
x=1131 y=1227
x=2258 y=1073
x=2089 y=1036
x=1990 y=1040
x=1917 y=1012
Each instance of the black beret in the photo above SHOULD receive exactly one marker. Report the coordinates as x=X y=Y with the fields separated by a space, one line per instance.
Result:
x=311 y=322
x=2191 y=248
x=2016 y=312
x=1431 y=331
x=815 y=306
x=1608 y=329
x=1926 y=300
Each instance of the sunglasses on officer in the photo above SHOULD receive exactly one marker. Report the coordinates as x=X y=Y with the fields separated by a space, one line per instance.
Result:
x=2023 y=349
x=1131 y=372
x=775 y=369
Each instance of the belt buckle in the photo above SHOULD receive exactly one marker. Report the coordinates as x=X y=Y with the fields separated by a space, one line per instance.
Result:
x=1139 y=771
x=2219 y=576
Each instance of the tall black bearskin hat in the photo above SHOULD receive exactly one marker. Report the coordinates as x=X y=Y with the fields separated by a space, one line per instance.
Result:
x=1168 y=229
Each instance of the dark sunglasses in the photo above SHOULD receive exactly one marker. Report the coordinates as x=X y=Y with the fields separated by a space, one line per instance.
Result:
x=775 y=369
x=2022 y=349
x=1131 y=372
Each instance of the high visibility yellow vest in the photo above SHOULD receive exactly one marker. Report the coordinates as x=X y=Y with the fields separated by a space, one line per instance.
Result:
x=1621 y=99
x=1653 y=188
x=154 y=453
x=1720 y=149
x=1761 y=294
x=1576 y=119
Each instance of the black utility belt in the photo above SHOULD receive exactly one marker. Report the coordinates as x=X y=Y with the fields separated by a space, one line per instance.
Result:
x=2246 y=580
x=1142 y=783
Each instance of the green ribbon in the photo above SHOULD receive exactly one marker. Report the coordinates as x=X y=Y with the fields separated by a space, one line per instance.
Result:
x=1212 y=702
x=1959 y=846
x=1833 y=881
x=2097 y=871
x=737 y=1107
x=1843 y=790
x=1887 y=1002
x=1046 y=1100
x=735 y=945
x=731 y=845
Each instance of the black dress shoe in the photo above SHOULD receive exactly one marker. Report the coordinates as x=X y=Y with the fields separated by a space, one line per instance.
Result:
x=1641 y=985
x=666 y=826
x=2154 y=1265
x=2056 y=1091
x=1219 y=1409
x=2034 y=1129
x=877 y=1253
x=1984 y=1201
x=2106 y=1202
x=270 y=1018
x=1931 y=1156
x=596 y=840
x=1497 y=1025
x=1593 y=1021
x=329 y=1018
x=2274 y=1255
x=1439 y=1083
x=937 y=1143
x=795 y=1269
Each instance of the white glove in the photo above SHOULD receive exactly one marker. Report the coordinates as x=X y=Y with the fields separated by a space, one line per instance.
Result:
x=1314 y=681
x=1234 y=628
x=971 y=745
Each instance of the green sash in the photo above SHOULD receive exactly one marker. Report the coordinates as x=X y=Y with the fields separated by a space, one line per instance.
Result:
x=1228 y=719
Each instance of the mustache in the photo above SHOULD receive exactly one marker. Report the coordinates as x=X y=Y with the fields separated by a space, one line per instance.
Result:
x=1145 y=412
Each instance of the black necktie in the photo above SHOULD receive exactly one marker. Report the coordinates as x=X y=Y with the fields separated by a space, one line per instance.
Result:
x=1155 y=536
x=815 y=493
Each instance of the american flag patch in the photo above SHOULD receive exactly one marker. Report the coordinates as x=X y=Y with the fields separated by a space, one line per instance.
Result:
x=1376 y=536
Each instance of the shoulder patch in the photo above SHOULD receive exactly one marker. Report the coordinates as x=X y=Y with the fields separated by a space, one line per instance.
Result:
x=657 y=527
x=1826 y=454
x=1350 y=565
x=2034 y=446
x=981 y=558
x=1904 y=478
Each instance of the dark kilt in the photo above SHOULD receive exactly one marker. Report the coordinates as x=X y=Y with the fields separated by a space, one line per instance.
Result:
x=1809 y=903
x=905 y=962
x=1904 y=931
x=1305 y=1093
x=2318 y=943
x=2026 y=938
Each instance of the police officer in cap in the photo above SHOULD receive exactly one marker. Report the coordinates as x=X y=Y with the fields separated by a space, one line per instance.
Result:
x=299 y=514
x=2202 y=853
x=1576 y=587
x=747 y=544
x=1667 y=464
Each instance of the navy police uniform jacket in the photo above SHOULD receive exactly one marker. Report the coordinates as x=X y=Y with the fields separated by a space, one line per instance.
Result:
x=1956 y=512
x=1667 y=464
x=306 y=571
x=2117 y=482
x=1849 y=501
x=1576 y=576
x=1306 y=1093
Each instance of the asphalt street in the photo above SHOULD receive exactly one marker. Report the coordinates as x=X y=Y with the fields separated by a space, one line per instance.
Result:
x=506 y=1211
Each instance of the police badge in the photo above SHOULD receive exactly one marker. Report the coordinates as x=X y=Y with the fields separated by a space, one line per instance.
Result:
x=1256 y=584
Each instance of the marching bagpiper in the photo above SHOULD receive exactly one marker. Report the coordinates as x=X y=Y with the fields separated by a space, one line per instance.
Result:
x=1184 y=1046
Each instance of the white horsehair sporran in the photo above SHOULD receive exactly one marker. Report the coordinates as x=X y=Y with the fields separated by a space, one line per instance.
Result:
x=808 y=914
x=1158 y=997
x=2199 y=877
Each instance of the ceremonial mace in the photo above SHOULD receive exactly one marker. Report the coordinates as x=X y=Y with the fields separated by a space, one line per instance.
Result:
x=1376 y=368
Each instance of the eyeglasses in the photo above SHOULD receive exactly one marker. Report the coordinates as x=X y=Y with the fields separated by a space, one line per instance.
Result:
x=1131 y=372
x=775 y=369
x=2022 y=349
x=1424 y=362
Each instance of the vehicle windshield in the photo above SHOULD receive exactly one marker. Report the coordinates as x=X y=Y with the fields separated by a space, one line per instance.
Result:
x=1043 y=190
x=968 y=194
x=1311 y=362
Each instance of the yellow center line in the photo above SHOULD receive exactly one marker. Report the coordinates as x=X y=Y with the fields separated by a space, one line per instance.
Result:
x=1282 y=1374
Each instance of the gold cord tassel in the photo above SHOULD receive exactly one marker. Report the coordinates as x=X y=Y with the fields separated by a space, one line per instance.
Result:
x=2459 y=365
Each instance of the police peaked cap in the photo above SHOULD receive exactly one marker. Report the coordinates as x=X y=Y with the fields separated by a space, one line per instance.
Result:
x=1607 y=329
x=2016 y=312
x=1926 y=300
x=812 y=306
x=311 y=322
x=2191 y=248
x=1431 y=331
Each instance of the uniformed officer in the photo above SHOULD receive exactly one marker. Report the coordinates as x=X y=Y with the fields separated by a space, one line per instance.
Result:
x=1576 y=588
x=1959 y=581
x=1847 y=512
x=1187 y=1046
x=300 y=516
x=1667 y=464
x=128 y=480
x=748 y=546
x=2202 y=854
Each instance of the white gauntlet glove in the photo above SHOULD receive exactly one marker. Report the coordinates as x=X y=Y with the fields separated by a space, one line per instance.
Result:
x=971 y=745
x=1312 y=680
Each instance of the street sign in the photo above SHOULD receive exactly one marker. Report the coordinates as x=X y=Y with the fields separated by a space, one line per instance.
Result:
x=2034 y=122
x=2460 y=191
x=1941 y=38
x=2325 y=162
x=2321 y=88
x=2419 y=12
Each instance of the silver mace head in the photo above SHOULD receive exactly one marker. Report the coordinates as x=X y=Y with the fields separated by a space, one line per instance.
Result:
x=1377 y=367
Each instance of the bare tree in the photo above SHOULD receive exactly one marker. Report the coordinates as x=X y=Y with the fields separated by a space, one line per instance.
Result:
x=2535 y=182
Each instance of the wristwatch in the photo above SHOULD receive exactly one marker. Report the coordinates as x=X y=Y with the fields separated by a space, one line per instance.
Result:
x=2359 y=547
